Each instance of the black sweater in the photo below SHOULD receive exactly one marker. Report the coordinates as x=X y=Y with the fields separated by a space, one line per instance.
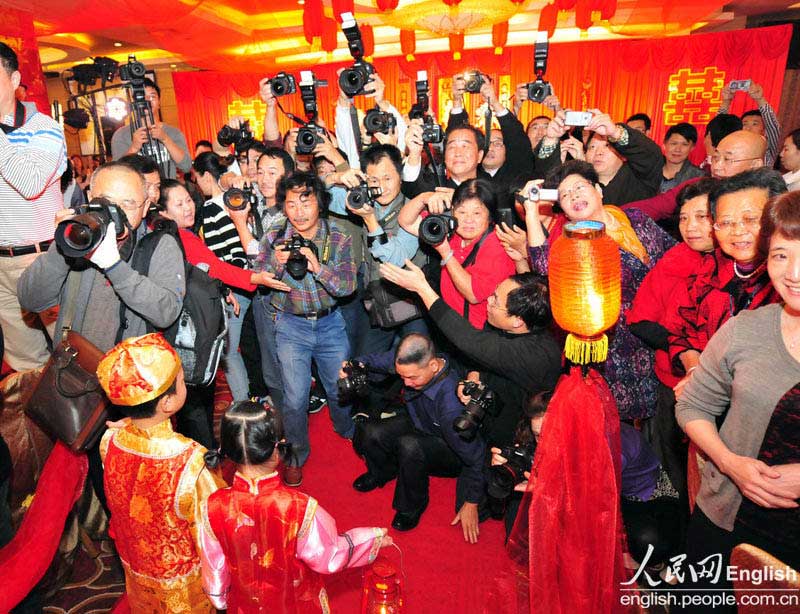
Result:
x=512 y=366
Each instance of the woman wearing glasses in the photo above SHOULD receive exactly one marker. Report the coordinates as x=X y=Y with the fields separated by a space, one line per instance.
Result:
x=629 y=368
x=749 y=373
x=734 y=279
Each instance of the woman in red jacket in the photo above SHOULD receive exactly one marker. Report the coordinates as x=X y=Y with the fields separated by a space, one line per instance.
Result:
x=177 y=205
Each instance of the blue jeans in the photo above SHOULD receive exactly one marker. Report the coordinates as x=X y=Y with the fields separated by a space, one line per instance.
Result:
x=264 y=314
x=299 y=340
x=235 y=371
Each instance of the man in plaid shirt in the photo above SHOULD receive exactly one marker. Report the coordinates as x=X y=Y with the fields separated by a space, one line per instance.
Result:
x=308 y=323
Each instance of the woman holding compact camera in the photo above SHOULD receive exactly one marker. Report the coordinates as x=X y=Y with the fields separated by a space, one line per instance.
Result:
x=473 y=261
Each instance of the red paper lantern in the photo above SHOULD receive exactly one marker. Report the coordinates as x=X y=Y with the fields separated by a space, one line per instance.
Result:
x=585 y=288
x=548 y=19
x=565 y=5
x=386 y=5
x=583 y=15
x=408 y=44
x=457 y=45
x=608 y=9
x=312 y=19
x=368 y=38
x=382 y=589
x=330 y=29
x=499 y=36
x=342 y=6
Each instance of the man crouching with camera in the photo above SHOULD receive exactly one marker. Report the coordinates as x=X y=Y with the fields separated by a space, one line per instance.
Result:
x=423 y=442
x=314 y=258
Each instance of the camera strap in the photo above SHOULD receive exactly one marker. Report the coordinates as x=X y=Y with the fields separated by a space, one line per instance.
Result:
x=470 y=259
x=487 y=126
x=356 y=127
x=19 y=119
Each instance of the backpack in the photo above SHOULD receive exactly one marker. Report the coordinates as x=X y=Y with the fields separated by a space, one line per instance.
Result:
x=198 y=335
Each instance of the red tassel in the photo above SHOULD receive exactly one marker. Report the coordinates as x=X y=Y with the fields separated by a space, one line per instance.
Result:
x=457 y=45
x=329 y=30
x=312 y=19
x=368 y=38
x=548 y=19
x=499 y=36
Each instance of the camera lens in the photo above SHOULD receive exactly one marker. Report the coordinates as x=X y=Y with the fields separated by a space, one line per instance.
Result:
x=307 y=138
x=235 y=199
x=278 y=88
x=78 y=236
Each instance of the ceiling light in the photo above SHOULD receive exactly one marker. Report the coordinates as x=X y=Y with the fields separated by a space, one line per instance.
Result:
x=173 y=66
x=118 y=44
x=301 y=2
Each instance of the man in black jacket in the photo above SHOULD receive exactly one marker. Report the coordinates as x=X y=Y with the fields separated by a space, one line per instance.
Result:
x=628 y=163
x=515 y=355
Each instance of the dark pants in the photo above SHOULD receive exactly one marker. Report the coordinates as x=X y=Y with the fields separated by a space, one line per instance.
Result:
x=375 y=339
x=707 y=541
x=251 y=353
x=654 y=523
x=395 y=448
x=196 y=416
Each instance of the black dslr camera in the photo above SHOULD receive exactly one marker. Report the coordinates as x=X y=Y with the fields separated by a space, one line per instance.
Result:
x=282 y=84
x=297 y=265
x=539 y=89
x=437 y=228
x=79 y=236
x=240 y=137
x=431 y=131
x=473 y=81
x=481 y=400
x=376 y=120
x=308 y=137
x=362 y=195
x=133 y=71
x=238 y=199
x=503 y=478
x=354 y=79
x=355 y=385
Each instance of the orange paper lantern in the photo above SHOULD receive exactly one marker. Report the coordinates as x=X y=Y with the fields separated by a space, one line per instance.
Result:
x=585 y=288
x=408 y=44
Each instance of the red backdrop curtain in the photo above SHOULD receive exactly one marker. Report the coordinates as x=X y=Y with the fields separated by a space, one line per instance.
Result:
x=672 y=79
x=19 y=35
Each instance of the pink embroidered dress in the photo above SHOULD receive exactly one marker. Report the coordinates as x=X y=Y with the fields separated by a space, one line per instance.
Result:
x=264 y=547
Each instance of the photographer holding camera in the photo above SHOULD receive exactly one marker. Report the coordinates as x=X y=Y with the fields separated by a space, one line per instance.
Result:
x=515 y=353
x=423 y=442
x=509 y=156
x=313 y=257
x=170 y=141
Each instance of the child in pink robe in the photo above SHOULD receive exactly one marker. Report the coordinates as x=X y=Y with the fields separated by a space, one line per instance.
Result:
x=263 y=544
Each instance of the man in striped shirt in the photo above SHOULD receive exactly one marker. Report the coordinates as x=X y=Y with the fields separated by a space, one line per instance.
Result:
x=32 y=160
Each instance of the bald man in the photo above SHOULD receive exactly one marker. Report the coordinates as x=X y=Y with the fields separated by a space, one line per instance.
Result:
x=740 y=151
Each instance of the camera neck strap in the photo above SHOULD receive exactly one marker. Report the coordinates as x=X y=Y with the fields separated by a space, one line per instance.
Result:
x=470 y=260
x=356 y=127
x=487 y=125
x=19 y=119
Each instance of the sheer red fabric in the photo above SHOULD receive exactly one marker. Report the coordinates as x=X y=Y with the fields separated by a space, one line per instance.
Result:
x=569 y=544
x=24 y=560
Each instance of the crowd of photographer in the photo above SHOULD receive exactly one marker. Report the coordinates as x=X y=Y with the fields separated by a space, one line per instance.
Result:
x=399 y=270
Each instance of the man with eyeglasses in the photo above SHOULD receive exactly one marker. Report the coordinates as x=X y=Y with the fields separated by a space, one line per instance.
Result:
x=740 y=151
x=165 y=144
x=111 y=300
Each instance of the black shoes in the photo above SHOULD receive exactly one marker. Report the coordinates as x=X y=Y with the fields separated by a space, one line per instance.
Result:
x=316 y=403
x=405 y=521
x=366 y=482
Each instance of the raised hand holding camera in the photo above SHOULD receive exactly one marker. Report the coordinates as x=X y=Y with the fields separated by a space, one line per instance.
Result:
x=106 y=254
x=353 y=80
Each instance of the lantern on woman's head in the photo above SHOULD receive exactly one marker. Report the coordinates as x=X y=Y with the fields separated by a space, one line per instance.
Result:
x=585 y=288
x=382 y=592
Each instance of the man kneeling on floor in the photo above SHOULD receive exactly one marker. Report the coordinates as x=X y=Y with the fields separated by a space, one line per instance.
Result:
x=421 y=443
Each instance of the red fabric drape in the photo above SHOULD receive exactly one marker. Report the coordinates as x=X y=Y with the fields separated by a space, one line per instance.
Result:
x=24 y=560
x=18 y=34
x=572 y=532
x=619 y=77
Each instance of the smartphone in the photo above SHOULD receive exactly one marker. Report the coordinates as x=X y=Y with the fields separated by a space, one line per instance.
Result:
x=740 y=86
x=505 y=216
x=577 y=118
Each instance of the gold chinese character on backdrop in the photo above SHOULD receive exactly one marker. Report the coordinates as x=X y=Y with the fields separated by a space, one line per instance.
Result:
x=253 y=111
x=694 y=97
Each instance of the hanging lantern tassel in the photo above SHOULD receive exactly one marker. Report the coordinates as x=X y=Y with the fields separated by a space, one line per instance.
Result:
x=408 y=44
x=585 y=289
x=457 y=45
x=499 y=36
